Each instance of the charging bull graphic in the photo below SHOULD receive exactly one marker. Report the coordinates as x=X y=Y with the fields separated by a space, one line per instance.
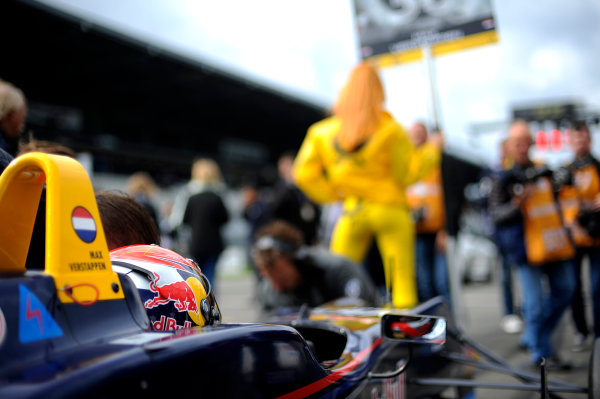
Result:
x=179 y=292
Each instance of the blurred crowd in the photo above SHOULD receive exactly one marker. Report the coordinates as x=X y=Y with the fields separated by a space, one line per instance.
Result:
x=360 y=211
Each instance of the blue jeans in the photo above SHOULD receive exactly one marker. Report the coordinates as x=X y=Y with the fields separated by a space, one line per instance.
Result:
x=578 y=305
x=208 y=265
x=510 y=243
x=507 y=287
x=542 y=310
x=432 y=271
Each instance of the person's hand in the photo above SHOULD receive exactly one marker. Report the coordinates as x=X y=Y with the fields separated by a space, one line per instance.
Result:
x=440 y=241
x=595 y=204
x=522 y=194
x=437 y=139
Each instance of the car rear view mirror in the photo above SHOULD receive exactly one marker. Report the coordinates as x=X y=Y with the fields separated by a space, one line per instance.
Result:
x=420 y=329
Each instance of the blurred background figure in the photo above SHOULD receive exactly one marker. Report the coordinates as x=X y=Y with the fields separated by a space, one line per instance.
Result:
x=48 y=147
x=511 y=322
x=142 y=188
x=363 y=156
x=522 y=201
x=426 y=202
x=205 y=214
x=296 y=275
x=13 y=111
x=124 y=220
x=205 y=174
x=581 y=206
x=254 y=211
x=289 y=203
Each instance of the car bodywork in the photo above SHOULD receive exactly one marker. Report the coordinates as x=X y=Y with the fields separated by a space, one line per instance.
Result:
x=78 y=329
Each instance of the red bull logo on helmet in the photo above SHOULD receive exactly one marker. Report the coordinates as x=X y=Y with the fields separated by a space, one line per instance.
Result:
x=178 y=292
x=169 y=323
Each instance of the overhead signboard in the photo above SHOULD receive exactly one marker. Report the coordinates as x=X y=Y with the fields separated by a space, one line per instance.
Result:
x=395 y=31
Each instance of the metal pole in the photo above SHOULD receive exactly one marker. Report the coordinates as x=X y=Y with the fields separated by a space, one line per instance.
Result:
x=428 y=57
x=454 y=278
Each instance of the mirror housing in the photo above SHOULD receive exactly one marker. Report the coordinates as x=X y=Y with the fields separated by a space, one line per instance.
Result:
x=420 y=329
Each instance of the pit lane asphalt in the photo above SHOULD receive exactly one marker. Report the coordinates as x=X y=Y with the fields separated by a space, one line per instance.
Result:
x=482 y=313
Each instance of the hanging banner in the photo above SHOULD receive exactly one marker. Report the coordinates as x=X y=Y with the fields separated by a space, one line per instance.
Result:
x=394 y=31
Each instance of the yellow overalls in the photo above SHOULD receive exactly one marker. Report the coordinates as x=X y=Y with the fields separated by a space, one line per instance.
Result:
x=372 y=181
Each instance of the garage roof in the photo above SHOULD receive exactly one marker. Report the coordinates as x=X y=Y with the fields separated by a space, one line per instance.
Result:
x=137 y=107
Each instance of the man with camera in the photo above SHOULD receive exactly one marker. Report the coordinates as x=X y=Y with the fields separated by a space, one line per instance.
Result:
x=522 y=201
x=581 y=209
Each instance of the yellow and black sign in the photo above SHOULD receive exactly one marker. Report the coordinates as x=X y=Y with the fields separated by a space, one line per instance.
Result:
x=393 y=32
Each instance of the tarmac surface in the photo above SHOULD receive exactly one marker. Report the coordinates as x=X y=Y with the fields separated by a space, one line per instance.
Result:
x=481 y=317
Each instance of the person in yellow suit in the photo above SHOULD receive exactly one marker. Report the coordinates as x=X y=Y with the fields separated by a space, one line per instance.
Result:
x=363 y=156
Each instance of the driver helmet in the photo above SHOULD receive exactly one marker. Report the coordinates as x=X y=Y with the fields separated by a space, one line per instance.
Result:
x=173 y=290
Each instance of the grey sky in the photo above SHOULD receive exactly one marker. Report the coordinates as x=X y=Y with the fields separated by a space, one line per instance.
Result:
x=548 y=50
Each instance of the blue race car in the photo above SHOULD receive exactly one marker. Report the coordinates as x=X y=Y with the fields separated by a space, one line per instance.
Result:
x=146 y=323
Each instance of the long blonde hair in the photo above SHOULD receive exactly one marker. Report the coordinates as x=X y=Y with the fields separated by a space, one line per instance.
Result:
x=359 y=106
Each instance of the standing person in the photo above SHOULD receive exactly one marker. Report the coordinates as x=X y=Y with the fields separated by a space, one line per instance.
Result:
x=363 y=156
x=142 y=188
x=254 y=211
x=426 y=201
x=581 y=204
x=13 y=110
x=522 y=202
x=205 y=174
x=511 y=322
x=289 y=203
x=5 y=159
x=206 y=215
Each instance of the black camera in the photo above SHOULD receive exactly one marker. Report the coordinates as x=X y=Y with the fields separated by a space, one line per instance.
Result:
x=418 y=215
x=590 y=221
x=517 y=178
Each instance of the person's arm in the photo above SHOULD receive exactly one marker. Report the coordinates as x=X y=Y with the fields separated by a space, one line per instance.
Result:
x=309 y=171
x=223 y=213
x=501 y=205
x=411 y=164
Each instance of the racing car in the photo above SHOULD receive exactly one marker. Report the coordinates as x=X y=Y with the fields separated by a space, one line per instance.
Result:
x=78 y=328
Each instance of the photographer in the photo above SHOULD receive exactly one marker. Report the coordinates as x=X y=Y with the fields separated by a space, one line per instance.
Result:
x=523 y=204
x=581 y=205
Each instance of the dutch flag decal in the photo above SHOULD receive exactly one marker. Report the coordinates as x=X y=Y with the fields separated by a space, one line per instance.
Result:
x=84 y=224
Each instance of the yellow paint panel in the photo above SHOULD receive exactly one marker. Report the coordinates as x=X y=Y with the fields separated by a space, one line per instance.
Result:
x=478 y=39
x=392 y=59
x=76 y=250
x=404 y=57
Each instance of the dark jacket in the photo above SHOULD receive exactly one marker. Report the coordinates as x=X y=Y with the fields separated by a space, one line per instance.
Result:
x=509 y=232
x=289 y=203
x=206 y=214
x=327 y=277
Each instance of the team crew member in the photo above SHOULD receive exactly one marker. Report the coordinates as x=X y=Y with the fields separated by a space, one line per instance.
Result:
x=426 y=201
x=362 y=156
x=580 y=203
x=296 y=275
x=522 y=202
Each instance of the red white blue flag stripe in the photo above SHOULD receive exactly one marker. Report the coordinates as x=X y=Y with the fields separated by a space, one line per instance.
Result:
x=84 y=224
